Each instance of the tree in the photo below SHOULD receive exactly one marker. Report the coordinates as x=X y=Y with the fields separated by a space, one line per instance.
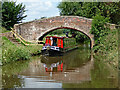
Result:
x=12 y=13
x=91 y=9
x=43 y=17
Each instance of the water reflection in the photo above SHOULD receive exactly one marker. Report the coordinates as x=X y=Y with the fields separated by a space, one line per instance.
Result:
x=74 y=68
x=54 y=67
x=10 y=74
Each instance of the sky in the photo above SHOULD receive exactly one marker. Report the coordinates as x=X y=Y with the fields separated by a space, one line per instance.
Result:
x=39 y=8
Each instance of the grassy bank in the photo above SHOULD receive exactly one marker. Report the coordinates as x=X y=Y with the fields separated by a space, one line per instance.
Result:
x=108 y=49
x=3 y=30
x=12 y=52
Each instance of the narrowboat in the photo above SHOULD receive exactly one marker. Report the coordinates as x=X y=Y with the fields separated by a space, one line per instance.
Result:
x=55 y=45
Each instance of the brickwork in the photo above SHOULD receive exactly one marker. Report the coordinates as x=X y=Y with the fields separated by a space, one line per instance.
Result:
x=35 y=29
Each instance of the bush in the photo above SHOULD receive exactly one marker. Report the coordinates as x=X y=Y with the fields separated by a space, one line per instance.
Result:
x=108 y=48
x=98 y=26
x=106 y=41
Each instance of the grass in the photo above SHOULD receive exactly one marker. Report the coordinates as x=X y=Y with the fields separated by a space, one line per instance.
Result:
x=3 y=30
x=12 y=52
x=35 y=49
x=24 y=42
x=0 y=55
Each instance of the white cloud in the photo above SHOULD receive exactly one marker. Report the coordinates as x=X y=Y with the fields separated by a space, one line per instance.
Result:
x=37 y=0
x=48 y=3
x=39 y=8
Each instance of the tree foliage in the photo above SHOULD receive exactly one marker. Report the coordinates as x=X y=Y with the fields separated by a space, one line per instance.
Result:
x=99 y=29
x=12 y=13
x=98 y=26
x=91 y=9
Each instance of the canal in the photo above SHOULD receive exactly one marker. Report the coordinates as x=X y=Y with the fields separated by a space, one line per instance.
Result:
x=76 y=69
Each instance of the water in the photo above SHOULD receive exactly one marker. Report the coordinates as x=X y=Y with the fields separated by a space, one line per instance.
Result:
x=76 y=69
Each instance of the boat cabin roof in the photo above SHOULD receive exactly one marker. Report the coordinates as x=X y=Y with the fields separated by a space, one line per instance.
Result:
x=55 y=37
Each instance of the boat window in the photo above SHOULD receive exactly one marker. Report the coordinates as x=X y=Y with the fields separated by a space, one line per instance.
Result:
x=54 y=42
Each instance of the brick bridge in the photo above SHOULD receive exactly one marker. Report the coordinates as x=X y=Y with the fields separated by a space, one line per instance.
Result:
x=37 y=29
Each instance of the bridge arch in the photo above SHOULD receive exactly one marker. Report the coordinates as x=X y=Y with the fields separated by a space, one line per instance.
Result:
x=55 y=28
x=33 y=30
